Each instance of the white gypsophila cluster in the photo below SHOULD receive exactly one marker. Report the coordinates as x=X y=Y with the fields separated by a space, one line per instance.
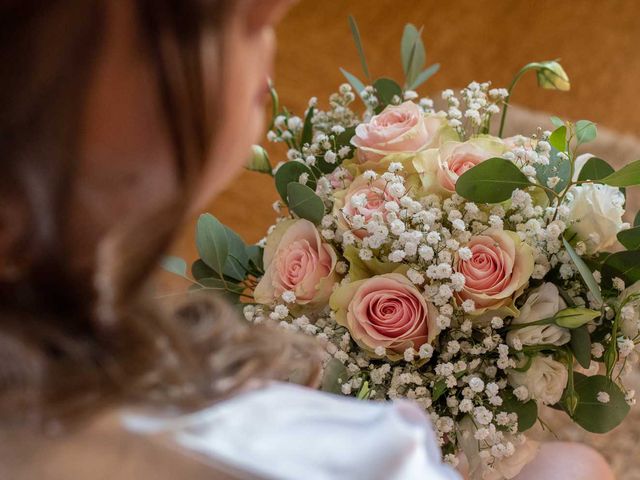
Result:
x=470 y=112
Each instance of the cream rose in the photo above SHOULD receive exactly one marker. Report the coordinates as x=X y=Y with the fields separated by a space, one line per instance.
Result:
x=440 y=168
x=595 y=215
x=545 y=379
x=297 y=260
x=361 y=202
x=543 y=302
x=497 y=272
x=397 y=129
x=385 y=311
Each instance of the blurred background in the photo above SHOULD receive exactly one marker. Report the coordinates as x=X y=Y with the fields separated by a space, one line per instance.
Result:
x=597 y=42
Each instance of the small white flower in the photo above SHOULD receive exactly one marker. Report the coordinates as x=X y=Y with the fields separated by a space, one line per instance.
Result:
x=597 y=350
x=476 y=384
x=618 y=283
x=497 y=322
x=603 y=397
x=468 y=306
x=288 y=296
x=330 y=157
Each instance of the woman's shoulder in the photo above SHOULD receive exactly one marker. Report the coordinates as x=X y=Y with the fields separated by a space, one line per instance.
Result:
x=290 y=432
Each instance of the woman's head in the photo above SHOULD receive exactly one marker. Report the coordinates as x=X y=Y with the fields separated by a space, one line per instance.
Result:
x=118 y=118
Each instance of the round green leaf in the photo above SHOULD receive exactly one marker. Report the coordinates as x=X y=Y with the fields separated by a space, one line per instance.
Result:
x=558 y=139
x=290 y=172
x=595 y=169
x=593 y=415
x=237 y=262
x=586 y=131
x=627 y=176
x=558 y=166
x=211 y=242
x=175 y=265
x=304 y=202
x=581 y=345
x=630 y=238
x=527 y=411
x=624 y=265
x=492 y=181
x=386 y=89
x=200 y=270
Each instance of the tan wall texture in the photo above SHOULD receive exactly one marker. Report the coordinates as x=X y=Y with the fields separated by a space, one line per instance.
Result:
x=598 y=42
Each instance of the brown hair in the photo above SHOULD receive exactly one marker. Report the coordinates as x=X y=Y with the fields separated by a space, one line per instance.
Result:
x=67 y=347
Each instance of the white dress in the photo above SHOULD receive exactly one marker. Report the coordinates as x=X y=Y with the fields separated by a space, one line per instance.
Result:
x=287 y=432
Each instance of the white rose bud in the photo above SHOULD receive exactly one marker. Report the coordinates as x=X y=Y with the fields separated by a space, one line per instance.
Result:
x=543 y=302
x=545 y=379
x=259 y=161
x=552 y=76
x=595 y=215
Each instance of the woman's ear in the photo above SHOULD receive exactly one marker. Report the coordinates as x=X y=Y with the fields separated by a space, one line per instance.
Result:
x=265 y=13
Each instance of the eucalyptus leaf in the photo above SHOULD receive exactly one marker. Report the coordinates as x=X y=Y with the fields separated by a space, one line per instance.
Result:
x=304 y=202
x=624 y=265
x=575 y=317
x=491 y=181
x=211 y=242
x=558 y=166
x=307 y=129
x=290 y=172
x=354 y=81
x=201 y=270
x=230 y=290
x=424 y=76
x=581 y=345
x=636 y=220
x=255 y=253
x=439 y=388
x=558 y=138
x=586 y=131
x=595 y=169
x=593 y=415
x=630 y=238
x=527 y=411
x=556 y=121
x=237 y=263
x=627 y=176
x=412 y=52
x=175 y=265
x=584 y=271
x=335 y=373
x=355 y=32
x=386 y=90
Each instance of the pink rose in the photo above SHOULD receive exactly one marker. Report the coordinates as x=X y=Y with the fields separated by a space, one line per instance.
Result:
x=385 y=311
x=497 y=272
x=440 y=168
x=399 y=128
x=297 y=260
x=365 y=199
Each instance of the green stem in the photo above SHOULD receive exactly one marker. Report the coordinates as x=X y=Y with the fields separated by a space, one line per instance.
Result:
x=523 y=70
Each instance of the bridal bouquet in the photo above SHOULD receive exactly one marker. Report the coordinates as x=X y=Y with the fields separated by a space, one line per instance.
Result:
x=483 y=277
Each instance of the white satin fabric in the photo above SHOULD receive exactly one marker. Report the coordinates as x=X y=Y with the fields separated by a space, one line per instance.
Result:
x=287 y=432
